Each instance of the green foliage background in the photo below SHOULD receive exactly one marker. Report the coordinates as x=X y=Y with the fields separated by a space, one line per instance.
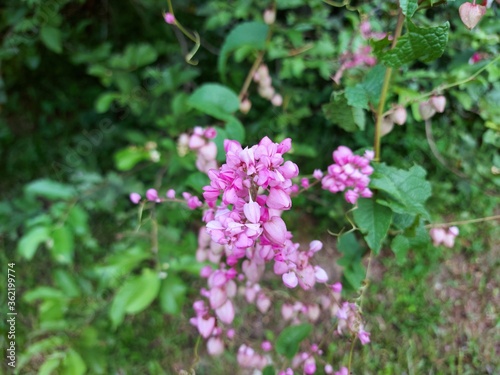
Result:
x=92 y=98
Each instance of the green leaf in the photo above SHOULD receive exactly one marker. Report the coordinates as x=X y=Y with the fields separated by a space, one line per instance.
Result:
x=268 y=370
x=29 y=243
x=51 y=37
x=49 y=189
x=340 y=113
x=290 y=338
x=134 y=56
x=399 y=246
x=50 y=364
x=419 y=43
x=78 y=219
x=367 y=91
x=197 y=180
x=134 y=296
x=348 y=245
x=63 y=245
x=356 y=96
x=374 y=221
x=408 y=7
x=219 y=141
x=37 y=348
x=120 y=264
x=235 y=130
x=354 y=275
x=353 y=272
x=248 y=34
x=215 y=100
x=42 y=293
x=127 y=158
x=66 y=282
x=172 y=294
x=104 y=101
x=408 y=189
x=73 y=364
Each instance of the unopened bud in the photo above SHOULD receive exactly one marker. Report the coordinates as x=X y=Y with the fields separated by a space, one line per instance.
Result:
x=387 y=125
x=269 y=16
x=426 y=110
x=245 y=106
x=277 y=100
x=399 y=115
x=438 y=103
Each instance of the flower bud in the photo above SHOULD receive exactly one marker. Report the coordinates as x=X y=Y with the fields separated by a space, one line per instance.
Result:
x=426 y=110
x=399 y=115
x=438 y=103
x=269 y=16
x=245 y=106
x=277 y=100
x=275 y=230
x=169 y=18
x=471 y=14
x=215 y=346
x=135 y=198
x=278 y=199
x=152 y=195
x=387 y=126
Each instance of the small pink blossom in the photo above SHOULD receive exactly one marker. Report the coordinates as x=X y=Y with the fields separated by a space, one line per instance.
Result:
x=152 y=195
x=170 y=194
x=290 y=279
x=215 y=346
x=135 y=198
x=169 y=18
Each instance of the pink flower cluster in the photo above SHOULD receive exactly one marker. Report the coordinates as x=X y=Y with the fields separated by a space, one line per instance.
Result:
x=201 y=142
x=244 y=231
x=349 y=173
x=442 y=236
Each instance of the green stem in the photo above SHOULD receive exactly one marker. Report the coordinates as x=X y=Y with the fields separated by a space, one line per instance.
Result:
x=379 y=115
x=479 y=220
x=451 y=85
x=350 y=355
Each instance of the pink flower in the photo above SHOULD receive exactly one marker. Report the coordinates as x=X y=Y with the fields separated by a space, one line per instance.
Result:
x=252 y=211
x=210 y=133
x=364 y=337
x=309 y=366
x=205 y=325
x=170 y=194
x=135 y=198
x=337 y=287
x=342 y=371
x=215 y=346
x=169 y=18
x=290 y=279
x=226 y=312
x=152 y=195
x=278 y=199
x=320 y=274
x=317 y=174
x=275 y=230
